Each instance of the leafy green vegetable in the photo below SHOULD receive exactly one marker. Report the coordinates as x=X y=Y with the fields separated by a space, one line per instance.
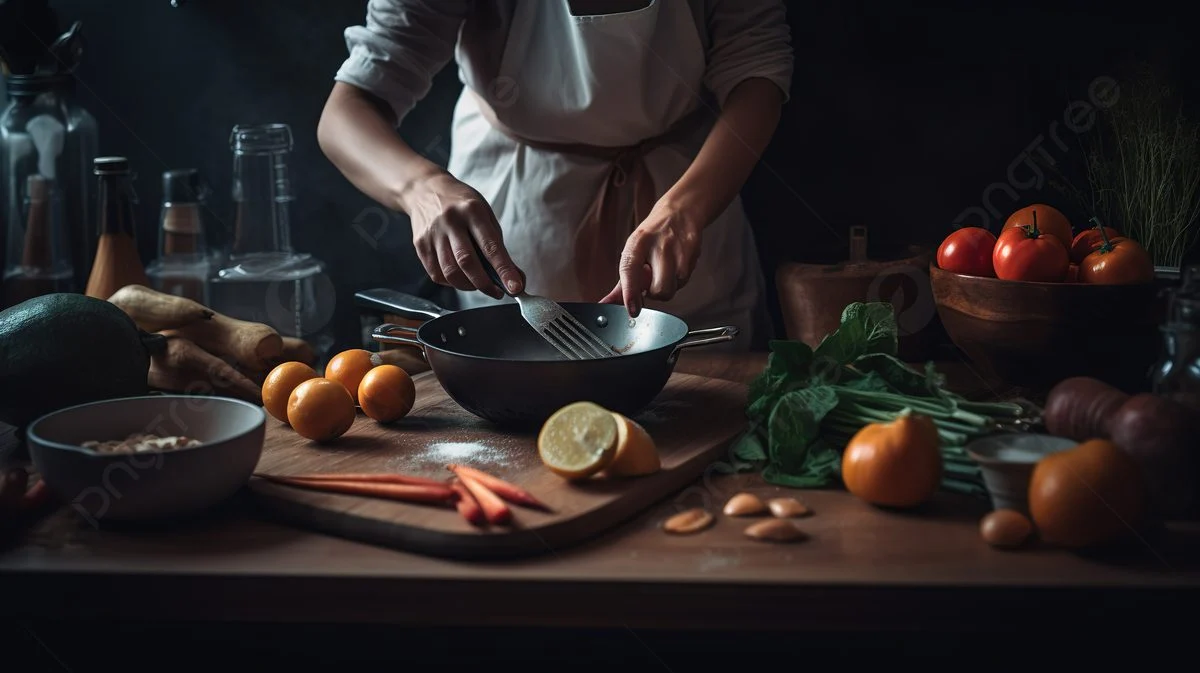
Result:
x=795 y=424
x=806 y=404
x=865 y=328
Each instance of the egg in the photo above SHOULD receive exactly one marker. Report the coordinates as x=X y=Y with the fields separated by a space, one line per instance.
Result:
x=1005 y=528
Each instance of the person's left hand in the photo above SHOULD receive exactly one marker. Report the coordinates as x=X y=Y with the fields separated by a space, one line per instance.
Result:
x=658 y=259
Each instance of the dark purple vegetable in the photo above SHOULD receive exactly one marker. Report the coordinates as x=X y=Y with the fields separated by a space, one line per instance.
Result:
x=1163 y=436
x=1081 y=408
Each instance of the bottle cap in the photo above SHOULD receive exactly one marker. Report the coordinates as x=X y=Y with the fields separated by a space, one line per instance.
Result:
x=110 y=166
x=183 y=185
x=37 y=187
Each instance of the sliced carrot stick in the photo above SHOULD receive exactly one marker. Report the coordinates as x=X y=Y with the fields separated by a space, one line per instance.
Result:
x=370 y=477
x=37 y=496
x=493 y=507
x=442 y=493
x=467 y=505
x=509 y=492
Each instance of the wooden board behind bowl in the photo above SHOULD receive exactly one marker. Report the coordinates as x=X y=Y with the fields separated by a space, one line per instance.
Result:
x=692 y=422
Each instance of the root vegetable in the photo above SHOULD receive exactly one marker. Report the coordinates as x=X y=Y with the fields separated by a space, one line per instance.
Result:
x=1082 y=408
x=467 y=505
x=252 y=345
x=510 y=492
x=440 y=494
x=298 y=350
x=408 y=359
x=1162 y=436
x=369 y=477
x=155 y=311
x=493 y=507
x=36 y=497
x=185 y=366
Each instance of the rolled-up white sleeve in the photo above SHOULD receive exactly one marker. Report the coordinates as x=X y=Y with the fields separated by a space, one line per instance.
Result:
x=748 y=38
x=401 y=47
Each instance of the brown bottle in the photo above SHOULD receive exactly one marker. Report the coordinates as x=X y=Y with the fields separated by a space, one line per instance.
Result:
x=117 y=262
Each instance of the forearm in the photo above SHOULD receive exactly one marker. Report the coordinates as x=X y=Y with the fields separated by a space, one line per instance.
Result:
x=361 y=142
x=729 y=154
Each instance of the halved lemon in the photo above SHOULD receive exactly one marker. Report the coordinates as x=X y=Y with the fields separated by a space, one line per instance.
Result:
x=636 y=453
x=578 y=440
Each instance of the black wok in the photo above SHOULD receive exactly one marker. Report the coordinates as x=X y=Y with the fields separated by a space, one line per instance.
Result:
x=492 y=363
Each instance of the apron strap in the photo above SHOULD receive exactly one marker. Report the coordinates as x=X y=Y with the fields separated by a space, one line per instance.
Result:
x=601 y=236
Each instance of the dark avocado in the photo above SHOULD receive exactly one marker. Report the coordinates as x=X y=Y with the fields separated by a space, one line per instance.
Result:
x=64 y=349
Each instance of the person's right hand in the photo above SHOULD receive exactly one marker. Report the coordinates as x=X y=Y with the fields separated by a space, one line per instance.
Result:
x=446 y=214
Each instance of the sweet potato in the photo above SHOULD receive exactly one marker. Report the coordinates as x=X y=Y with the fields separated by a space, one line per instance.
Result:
x=298 y=350
x=185 y=367
x=154 y=311
x=253 y=345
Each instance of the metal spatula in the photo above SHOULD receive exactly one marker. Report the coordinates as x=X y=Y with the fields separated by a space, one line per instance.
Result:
x=558 y=327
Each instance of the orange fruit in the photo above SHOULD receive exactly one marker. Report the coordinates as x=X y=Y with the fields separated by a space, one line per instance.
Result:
x=348 y=368
x=387 y=393
x=320 y=410
x=280 y=383
x=636 y=453
x=1090 y=494
x=578 y=440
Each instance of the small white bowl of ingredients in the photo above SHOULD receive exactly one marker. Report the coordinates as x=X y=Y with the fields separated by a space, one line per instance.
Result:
x=1007 y=461
x=151 y=457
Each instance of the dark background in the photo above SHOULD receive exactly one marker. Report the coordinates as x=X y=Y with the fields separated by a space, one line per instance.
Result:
x=902 y=113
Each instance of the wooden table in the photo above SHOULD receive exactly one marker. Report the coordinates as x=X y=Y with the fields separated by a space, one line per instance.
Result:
x=862 y=569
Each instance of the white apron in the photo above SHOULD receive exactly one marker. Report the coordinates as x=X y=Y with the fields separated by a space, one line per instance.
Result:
x=609 y=80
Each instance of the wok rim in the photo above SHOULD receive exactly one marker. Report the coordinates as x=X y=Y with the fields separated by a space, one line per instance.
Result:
x=428 y=345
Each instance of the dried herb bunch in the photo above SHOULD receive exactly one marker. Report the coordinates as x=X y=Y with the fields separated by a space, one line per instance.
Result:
x=1142 y=168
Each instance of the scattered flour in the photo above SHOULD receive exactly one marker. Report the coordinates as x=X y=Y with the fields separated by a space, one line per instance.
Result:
x=449 y=452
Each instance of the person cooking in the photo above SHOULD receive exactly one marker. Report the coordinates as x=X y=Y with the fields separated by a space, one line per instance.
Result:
x=597 y=150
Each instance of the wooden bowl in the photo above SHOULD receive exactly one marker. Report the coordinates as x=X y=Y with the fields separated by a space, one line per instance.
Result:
x=1036 y=334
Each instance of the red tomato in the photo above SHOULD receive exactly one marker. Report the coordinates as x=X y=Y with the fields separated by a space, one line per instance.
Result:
x=1088 y=241
x=1025 y=253
x=968 y=251
x=1120 y=262
x=1073 y=273
x=1048 y=218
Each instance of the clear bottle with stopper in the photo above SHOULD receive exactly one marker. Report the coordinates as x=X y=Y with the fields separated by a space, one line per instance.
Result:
x=1178 y=368
x=117 y=262
x=38 y=253
x=44 y=131
x=262 y=279
x=183 y=265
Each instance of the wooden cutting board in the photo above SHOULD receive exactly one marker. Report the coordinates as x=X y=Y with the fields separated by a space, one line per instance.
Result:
x=692 y=421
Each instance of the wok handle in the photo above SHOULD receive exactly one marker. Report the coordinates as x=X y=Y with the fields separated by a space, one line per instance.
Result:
x=387 y=333
x=398 y=303
x=704 y=337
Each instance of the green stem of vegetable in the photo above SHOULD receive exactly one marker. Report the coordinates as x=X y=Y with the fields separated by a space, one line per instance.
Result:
x=992 y=409
x=1107 y=246
x=852 y=412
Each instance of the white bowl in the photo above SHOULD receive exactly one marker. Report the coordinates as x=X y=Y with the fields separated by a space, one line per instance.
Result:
x=151 y=485
x=1007 y=461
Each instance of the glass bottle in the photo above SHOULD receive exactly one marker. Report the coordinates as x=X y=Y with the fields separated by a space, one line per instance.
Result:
x=45 y=131
x=1178 y=369
x=183 y=264
x=262 y=279
x=117 y=262
x=37 y=261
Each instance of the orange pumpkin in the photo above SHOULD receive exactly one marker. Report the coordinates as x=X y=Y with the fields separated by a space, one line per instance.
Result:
x=896 y=464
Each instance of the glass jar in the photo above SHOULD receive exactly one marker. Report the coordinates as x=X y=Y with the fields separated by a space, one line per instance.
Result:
x=182 y=267
x=262 y=279
x=44 y=131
